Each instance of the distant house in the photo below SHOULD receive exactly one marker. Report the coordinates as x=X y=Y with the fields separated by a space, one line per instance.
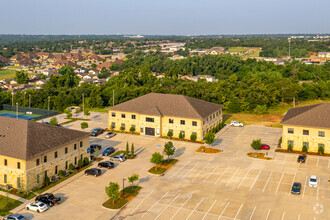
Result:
x=105 y=65
x=86 y=77
x=324 y=54
x=43 y=55
x=215 y=50
x=16 y=57
x=60 y=63
x=75 y=57
x=47 y=72
x=40 y=83
x=208 y=78
x=56 y=57
x=94 y=59
x=4 y=60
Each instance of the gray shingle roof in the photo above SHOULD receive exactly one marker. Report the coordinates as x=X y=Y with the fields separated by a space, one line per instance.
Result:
x=311 y=116
x=168 y=105
x=23 y=139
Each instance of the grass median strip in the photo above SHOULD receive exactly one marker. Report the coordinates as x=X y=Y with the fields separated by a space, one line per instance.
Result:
x=160 y=169
x=130 y=193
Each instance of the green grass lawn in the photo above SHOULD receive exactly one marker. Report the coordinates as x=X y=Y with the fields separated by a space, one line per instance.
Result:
x=6 y=206
x=160 y=169
x=20 y=113
x=130 y=193
x=7 y=73
x=28 y=196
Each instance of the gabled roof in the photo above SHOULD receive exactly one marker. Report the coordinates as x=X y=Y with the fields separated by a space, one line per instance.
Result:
x=64 y=63
x=24 y=139
x=168 y=105
x=4 y=59
x=309 y=116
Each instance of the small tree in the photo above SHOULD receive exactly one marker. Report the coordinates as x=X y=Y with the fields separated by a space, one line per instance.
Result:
x=170 y=134
x=53 y=121
x=86 y=112
x=133 y=178
x=84 y=125
x=209 y=138
x=290 y=148
x=256 y=144
x=86 y=161
x=61 y=173
x=122 y=128
x=156 y=158
x=68 y=113
x=169 y=149
x=132 y=150
x=71 y=167
x=193 y=137
x=304 y=149
x=279 y=142
x=320 y=150
x=181 y=135
x=46 y=181
x=112 y=191
x=127 y=149
x=80 y=163
x=132 y=129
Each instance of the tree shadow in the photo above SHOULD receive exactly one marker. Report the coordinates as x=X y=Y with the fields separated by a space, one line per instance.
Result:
x=144 y=179
x=179 y=152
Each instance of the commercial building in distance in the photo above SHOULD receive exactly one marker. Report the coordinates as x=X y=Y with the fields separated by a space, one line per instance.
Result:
x=29 y=151
x=156 y=114
x=307 y=126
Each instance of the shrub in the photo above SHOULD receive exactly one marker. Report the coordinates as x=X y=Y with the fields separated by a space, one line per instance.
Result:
x=290 y=148
x=61 y=173
x=122 y=128
x=321 y=150
x=53 y=121
x=304 y=149
x=80 y=163
x=209 y=138
x=46 y=181
x=71 y=167
x=280 y=141
x=260 y=109
x=69 y=115
x=170 y=134
x=256 y=144
x=193 y=137
x=180 y=135
x=86 y=161
x=132 y=129
x=84 y=125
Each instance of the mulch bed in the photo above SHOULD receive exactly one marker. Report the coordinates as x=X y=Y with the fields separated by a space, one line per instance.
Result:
x=259 y=156
x=300 y=152
x=208 y=150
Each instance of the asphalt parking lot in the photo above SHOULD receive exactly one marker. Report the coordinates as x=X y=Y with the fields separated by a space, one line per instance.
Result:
x=228 y=185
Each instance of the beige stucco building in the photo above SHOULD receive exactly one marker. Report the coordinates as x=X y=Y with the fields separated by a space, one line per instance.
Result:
x=29 y=151
x=309 y=126
x=156 y=114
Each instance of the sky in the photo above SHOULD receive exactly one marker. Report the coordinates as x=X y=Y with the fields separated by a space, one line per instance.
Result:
x=164 y=17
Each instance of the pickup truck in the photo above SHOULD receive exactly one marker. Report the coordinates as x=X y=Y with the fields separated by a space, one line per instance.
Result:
x=48 y=198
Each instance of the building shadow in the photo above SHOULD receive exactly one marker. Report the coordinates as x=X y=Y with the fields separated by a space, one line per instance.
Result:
x=226 y=117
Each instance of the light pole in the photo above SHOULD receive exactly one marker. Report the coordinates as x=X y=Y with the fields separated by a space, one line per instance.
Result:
x=16 y=109
x=83 y=97
x=29 y=100
x=12 y=98
x=24 y=98
x=48 y=102
x=289 y=40
x=124 y=187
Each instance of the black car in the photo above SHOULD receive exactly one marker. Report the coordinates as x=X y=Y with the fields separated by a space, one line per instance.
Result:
x=93 y=171
x=106 y=164
x=48 y=198
x=97 y=131
x=108 y=151
x=302 y=158
x=296 y=188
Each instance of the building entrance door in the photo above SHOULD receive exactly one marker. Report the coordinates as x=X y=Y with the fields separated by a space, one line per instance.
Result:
x=150 y=131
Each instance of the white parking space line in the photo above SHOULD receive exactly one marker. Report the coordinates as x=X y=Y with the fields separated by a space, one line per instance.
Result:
x=167 y=206
x=208 y=210
x=304 y=188
x=154 y=204
x=328 y=163
x=200 y=172
x=195 y=208
x=141 y=202
x=221 y=175
x=189 y=170
x=238 y=211
x=285 y=158
x=239 y=185
x=253 y=212
x=180 y=169
x=283 y=215
x=181 y=206
x=255 y=180
x=317 y=192
x=317 y=163
x=223 y=210
x=267 y=181
x=299 y=217
x=279 y=183
x=293 y=181
x=210 y=173
x=231 y=177
x=268 y=214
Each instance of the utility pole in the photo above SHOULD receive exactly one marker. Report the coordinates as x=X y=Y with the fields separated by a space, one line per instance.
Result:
x=12 y=98
x=123 y=187
x=294 y=102
x=29 y=100
x=113 y=98
x=289 y=40
x=24 y=99
x=48 y=102
x=83 y=97
x=16 y=110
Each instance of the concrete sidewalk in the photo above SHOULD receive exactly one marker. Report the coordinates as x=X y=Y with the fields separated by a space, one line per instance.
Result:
x=12 y=196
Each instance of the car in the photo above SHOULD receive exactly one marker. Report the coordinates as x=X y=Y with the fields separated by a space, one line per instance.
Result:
x=236 y=124
x=264 y=147
x=118 y=158
x=296 y=188
x=312 y=181
x=302 y=158
x=37 y=206
x=14 y=217
x=96 y=131
x=93 y=171
x=48 y=198
x=106 y=164
x=110 y=135
x=108 y=151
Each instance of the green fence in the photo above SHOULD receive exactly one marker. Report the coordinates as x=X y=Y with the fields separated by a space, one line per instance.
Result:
x=36 y=112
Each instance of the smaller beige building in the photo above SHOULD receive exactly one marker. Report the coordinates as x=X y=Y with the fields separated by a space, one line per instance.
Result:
x=29 y=151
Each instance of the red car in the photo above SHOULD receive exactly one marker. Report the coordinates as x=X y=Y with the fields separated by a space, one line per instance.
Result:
x=264 y=147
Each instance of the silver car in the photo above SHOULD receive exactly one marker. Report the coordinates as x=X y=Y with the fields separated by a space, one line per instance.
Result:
x=118 y=158
x=110 y=135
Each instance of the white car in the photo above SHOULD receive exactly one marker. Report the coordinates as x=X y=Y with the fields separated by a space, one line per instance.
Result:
x=236 y=124
x=312 y=181
x=37 y=206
